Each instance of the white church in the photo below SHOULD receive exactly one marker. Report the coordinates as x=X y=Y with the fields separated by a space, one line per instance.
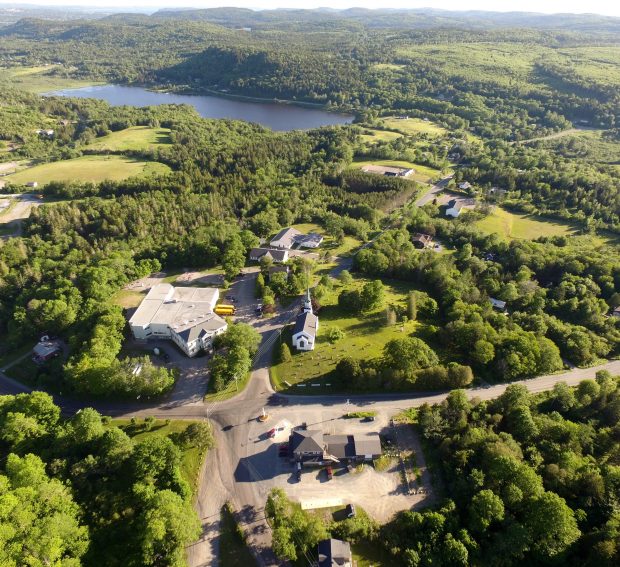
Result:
x=306 y=327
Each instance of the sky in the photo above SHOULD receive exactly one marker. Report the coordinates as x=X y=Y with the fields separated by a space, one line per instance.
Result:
x=607 y=7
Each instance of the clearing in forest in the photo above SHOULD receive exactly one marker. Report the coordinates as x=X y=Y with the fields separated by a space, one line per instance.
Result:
x=92 y=169
x=413 y=126
x=511 y=226
x=135 y=138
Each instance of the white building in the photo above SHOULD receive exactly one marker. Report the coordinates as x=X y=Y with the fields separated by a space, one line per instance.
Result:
x=285 y=238
x=306 y=327
x=182 y=314
x=454 y=208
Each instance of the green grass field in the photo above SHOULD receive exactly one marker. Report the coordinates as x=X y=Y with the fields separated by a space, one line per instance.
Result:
x=41 y=79
x=413 y=126
x=191 y=458
x=522 y=226
x=365 y=337
x=88 y=168
x=374 y=135
x=422 y=173
x=134 y=138
x=127 y=298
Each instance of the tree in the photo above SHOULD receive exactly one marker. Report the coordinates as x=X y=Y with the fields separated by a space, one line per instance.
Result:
x=551 y=523
x=483 y=352
x=459 y=376
x=168 y=525
x=408 y=354
x=390 y=316
x=412 y=306
x=240 y=335
x=285 y=353
x=234 y=257
x=372 y=295
x=260 y=284
x=39 y=521
x=348 y=370
x=486 y=508
x=198 y=434
x=345 y=278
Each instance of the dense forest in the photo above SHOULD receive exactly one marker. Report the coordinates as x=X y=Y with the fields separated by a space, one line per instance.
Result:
x=82 y=491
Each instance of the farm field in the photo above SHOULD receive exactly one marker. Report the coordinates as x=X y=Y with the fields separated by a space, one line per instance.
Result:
x=423 y=174
x=92 y=169
x=365 y=337
x=413 y=126
x=134 y=138
x=522 y=226
x=41 y=79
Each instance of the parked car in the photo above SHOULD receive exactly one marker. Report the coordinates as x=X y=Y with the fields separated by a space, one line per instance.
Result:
x=259 y=309
x=271 y=433
x=350 y=510
x=330 y=473
x=298 y=471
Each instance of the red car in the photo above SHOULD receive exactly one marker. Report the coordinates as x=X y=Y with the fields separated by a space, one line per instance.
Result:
x=330 y=473
x=271 y=432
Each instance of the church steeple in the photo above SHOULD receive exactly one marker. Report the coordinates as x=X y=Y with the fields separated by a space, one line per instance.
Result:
x=307 y=303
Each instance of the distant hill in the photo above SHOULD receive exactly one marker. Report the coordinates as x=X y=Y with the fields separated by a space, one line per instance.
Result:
x=417 y=18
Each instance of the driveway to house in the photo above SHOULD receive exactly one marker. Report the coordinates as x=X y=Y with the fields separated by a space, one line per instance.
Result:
x=435 y=189
x=18 y=211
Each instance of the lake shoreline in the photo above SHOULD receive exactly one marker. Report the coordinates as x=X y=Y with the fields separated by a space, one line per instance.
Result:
x=277 y=114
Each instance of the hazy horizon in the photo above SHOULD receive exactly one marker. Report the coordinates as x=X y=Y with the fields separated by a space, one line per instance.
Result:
x=602 y=7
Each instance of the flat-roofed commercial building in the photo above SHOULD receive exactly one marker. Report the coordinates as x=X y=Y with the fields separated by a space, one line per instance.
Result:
x=182 y=314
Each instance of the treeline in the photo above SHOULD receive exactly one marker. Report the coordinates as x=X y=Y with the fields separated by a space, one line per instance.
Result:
x=83 y=492
x=526 y=479
x=557 y=296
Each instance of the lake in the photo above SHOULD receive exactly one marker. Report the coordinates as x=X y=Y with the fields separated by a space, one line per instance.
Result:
x=280 y=117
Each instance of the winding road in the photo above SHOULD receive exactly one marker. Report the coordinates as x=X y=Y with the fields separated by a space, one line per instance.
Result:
x=228 y=473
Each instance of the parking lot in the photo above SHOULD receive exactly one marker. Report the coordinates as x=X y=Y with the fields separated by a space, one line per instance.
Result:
x=380 y=493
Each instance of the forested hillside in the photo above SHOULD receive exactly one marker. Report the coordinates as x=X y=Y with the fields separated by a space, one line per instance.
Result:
x=526 y=478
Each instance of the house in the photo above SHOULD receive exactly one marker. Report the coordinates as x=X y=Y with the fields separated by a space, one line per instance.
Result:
x=497 y=304
x=183 y=315
x=307 y=444
x=46 y=349
x=285 y=238
x=422 y=240
x=32 y=184
x=616 y=312
x=353 y=448
x=334 y=553
x=45 y=132
x=454 y=208
x=313 y=447
x=277 y=256
x=464 y=185
x=306 y=327
x=310 y=240
x=388 y=170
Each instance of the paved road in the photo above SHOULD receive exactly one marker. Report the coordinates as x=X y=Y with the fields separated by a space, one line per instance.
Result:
x=435 y=189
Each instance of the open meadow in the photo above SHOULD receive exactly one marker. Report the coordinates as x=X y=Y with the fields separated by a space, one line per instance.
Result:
x=511 y=226
x=92 y=169
x=135 y=138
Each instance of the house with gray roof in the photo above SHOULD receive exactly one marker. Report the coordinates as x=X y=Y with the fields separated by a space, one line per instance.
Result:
x=334 y=553
x=307 y=444
x=285 y=238
x=454 y=208
x=277 y=256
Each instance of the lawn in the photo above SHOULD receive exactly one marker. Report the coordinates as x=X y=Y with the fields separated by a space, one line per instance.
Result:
x=414 y=126
x=512 y=226
x=92 y=169
x=127 y=299
x=422 y=173
x=372 y=135
x=365 y=337
x=191 y=459
x=135 y=138
x=42 y=79
x=343 y=248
